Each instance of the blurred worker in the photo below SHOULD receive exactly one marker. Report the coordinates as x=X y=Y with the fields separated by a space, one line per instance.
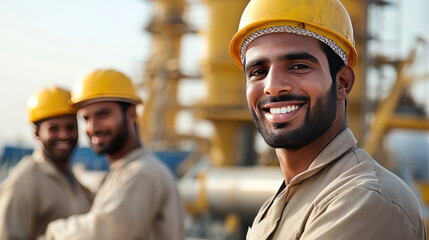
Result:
x=297 y=56
x=139 y=198
x=42 y=188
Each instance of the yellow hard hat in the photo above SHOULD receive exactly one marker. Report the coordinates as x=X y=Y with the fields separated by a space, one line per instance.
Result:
x=104 y=85
x=49 y=102
x=326 y=20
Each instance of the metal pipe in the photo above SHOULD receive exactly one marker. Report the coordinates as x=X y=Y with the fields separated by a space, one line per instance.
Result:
x=240 y=190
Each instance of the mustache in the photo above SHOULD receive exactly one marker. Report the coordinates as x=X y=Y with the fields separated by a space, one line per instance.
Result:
x=98 y=133
x=282 y=98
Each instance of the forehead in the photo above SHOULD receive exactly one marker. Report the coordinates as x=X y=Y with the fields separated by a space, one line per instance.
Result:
x=278 y=44
x=98 y=106
x=63 y=119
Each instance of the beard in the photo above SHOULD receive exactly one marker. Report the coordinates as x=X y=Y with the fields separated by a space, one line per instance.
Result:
x=317 y=121
x=118 y=140
x=50 y=151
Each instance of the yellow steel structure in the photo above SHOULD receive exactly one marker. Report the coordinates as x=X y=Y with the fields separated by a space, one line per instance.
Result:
x=225 y=105
x=162 y=71
x=358 y=13
x=385 y=117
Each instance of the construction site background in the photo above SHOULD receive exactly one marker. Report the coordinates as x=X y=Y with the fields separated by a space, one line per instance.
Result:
x=195 y=115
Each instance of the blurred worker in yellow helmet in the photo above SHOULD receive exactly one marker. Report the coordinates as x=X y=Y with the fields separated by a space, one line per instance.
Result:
x=297 y=56
x=42 y=188
x=138 y=199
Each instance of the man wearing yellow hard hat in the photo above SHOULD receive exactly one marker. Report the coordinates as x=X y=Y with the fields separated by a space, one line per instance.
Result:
x=138 y=199
x=41 y=188
x=297 y=56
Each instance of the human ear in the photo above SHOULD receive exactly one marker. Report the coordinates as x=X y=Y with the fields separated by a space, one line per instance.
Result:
x=345 y=81
x=36 y=132
x=131 y=113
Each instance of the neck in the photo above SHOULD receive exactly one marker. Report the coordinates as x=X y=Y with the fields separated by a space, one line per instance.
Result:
x=295 y=161
x=62 y=166
x=131 y=144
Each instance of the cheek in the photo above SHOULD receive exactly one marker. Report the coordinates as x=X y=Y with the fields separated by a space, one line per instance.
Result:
x=109 y=124
x=325 y=81
x=47 y=137
x=74 y=133
x=253 y=93
x=90 y=126
x=316 y=87
x=43 y=134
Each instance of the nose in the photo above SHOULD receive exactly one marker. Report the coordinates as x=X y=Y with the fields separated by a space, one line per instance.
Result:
x=277 y=82
x=63 y=133
x=66 y=132
x=90 y=126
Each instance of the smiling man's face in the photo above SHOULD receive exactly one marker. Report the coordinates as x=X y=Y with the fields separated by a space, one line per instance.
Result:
x=290 y=92
x=58 y=136
x=105 y=126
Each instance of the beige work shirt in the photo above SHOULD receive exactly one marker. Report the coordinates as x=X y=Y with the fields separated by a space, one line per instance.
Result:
x=138 y=200
x=36 y=193
x=344 y=194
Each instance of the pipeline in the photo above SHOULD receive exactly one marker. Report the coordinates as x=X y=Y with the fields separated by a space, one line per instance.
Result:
x=239 y=190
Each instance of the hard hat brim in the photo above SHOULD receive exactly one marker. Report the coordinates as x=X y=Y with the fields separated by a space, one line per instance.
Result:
x=240 y=36
x=84 y=103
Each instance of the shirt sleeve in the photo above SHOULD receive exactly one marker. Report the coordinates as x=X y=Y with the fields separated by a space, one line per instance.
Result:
x=123 y=209
x=362 y=213
x=17 y=210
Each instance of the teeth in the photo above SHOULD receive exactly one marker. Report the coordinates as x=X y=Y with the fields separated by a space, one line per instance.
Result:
x=62 y=145
x=283 y=110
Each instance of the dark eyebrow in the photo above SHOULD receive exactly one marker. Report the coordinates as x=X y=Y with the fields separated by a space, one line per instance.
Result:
x=299 y=56
x=257 y=62
x=103 y=110
x=98 y=112
x=289 y=56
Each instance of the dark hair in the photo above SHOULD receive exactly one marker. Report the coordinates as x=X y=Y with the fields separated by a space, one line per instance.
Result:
x=335 y=62
x=37 y=124
x=124 y=106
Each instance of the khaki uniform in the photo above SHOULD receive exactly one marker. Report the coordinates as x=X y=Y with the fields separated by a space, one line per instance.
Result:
x=36 y=193
x=138 y=200
x=344 y=194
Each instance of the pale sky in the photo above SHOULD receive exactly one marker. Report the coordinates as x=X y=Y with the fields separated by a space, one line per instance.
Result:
x=48 y=42
x=57 y=42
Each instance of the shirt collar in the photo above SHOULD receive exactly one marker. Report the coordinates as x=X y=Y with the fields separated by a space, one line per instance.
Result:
x=341 y=144
x=129 y=157
x=47 y=166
